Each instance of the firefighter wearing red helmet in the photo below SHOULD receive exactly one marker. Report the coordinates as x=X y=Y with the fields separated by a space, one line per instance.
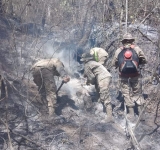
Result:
x=127 y=59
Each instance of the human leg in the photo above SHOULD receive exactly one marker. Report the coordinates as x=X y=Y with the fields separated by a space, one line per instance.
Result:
x=126 y=91
x=137 y=91
x=105 y=97
x=137 y=94
x=50 y=90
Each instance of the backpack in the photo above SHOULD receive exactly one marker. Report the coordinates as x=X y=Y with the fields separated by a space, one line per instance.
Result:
x=128 y=62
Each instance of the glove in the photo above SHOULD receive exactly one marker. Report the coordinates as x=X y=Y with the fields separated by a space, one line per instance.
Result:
x=66 y=79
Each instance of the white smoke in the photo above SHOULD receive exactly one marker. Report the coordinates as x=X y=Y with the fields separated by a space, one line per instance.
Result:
x=71 y=66
x=65 y=55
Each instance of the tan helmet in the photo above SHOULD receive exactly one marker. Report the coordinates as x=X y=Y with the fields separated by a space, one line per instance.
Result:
x=129 y=37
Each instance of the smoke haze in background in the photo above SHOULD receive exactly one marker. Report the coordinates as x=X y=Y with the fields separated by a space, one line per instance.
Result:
x=67 y=56
x=71 y=66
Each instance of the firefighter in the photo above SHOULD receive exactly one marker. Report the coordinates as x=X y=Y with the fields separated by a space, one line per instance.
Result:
x=43 y=73
x=98 y=75
x=127 y=59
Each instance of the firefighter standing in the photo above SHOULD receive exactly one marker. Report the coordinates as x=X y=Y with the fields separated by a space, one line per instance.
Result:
x=129 y=82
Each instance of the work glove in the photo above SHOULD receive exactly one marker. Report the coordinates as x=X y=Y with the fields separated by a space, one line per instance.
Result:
x=66 y=79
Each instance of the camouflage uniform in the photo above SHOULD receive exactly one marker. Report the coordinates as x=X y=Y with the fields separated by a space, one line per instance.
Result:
x=102 y=54
x=98 y=75
x=43 y=75
x=130 y=86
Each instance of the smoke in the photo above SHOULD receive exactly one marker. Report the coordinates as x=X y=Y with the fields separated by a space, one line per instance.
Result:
x=66 y=56
x=72 y=87
x=72 y=66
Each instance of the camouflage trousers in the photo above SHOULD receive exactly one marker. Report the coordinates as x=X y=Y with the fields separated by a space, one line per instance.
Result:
x=44 y=79
x=102 y=88
x=131 y=90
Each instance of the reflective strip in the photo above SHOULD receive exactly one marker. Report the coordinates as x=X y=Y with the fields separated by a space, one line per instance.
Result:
x=96 y=56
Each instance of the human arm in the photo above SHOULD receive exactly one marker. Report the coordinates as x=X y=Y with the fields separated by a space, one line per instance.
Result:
x=88 y=74
x=62 y=72
x=141 y=55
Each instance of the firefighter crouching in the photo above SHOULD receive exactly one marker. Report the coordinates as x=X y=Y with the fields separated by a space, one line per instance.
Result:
x=98 y=75
x=43 y=73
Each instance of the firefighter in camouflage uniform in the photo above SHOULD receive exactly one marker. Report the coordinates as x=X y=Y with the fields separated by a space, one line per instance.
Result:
x=129 y=83
x=43 y=75
x=98 y=75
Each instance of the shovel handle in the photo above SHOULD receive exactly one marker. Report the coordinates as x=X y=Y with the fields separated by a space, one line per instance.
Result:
x=59 y=87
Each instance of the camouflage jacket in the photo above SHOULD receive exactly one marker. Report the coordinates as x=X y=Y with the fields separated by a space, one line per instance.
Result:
x=53 y=64
x=95 y=72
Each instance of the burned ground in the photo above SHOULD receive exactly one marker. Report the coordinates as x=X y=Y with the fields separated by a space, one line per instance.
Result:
x=24 y=120
x=24 y=124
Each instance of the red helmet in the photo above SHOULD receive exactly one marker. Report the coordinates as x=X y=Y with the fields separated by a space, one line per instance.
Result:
x=128 y=54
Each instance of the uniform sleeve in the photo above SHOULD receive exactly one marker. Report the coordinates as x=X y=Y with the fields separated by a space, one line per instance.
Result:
x=88 y=73
x=85 y=72
x=142 y=57
x=60 y=69
x=86 y=76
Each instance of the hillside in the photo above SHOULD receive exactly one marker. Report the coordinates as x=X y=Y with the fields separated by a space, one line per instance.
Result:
x=32 y=30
